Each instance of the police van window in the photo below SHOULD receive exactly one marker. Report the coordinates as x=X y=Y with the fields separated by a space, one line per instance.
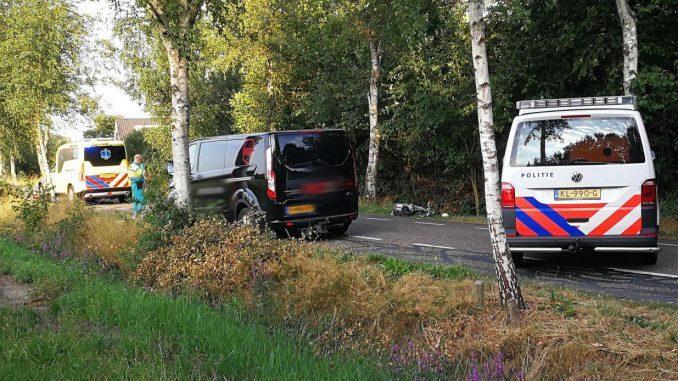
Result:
x=63 y=156
x=577 y=141
x=212 y=156
x=191 y=156
x=101 y=156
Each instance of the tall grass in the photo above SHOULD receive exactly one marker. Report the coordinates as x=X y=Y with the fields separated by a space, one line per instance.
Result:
x=415 y=314
x=100 y=329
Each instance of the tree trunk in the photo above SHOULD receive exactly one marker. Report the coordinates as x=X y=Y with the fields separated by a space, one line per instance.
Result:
x=12 y=169
x=474 y=185
x=375 y=135
x=628 y=22
x=178 y=65
x=43 y=164
x=505 y=269
x=2 y=167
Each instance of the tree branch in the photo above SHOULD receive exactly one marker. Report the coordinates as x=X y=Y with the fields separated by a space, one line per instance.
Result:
x=159 y=15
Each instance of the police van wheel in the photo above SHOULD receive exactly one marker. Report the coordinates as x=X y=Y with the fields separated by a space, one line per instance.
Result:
x=517 y=259
x=648 y=258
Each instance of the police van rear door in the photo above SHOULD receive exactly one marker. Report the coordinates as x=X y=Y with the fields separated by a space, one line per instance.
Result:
x=105 y=166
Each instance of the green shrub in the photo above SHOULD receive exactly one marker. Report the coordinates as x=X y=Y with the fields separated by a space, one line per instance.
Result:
x=32 y=208
x=669 y=205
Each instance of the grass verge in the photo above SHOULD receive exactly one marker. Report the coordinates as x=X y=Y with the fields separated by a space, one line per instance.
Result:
x=98 y=328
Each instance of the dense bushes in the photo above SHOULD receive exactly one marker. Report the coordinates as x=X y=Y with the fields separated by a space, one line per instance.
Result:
x=419 y=320
x=422 y=320
x=69 y=229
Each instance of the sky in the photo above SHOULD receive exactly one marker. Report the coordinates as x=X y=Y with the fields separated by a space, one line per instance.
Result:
x=112 y=99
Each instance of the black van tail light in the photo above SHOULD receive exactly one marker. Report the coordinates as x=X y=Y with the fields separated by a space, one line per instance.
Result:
x=349 y=184
x=508 y=196
x=648 y=193
x=270 y=175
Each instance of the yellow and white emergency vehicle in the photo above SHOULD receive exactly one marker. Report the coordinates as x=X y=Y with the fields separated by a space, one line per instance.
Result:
x=91 y=169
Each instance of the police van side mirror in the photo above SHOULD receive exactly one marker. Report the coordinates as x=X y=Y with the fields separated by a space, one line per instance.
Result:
x=170 y=168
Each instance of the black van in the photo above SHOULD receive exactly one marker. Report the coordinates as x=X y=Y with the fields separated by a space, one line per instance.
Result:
x=297 y=178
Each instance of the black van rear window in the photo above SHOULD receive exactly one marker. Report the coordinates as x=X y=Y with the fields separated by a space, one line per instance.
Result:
x=102 y=156
x=577 y=141
x=306 y=148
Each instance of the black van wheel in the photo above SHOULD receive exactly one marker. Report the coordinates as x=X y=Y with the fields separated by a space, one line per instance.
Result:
x=339 y=229
x=517 y=259
x=648 y=258
x=247 y=216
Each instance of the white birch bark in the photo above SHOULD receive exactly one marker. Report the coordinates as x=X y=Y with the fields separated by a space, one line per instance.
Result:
x=180 y=122
x=504 y=267
x=373 y=105
x=630 y=40
x=12 y=169
x=2 y=167
x=41 y=152
x=176 y=42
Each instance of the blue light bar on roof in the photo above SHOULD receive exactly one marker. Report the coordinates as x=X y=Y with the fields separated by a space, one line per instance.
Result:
x=576 y=102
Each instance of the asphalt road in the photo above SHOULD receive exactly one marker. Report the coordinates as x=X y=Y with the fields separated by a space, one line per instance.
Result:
x=468 y=244
x=440 y=242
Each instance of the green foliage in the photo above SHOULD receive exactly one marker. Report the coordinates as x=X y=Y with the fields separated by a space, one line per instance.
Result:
x=398 y=267
x=281 y=64
x=40 y=81
x=104 y=126
x=32 y=207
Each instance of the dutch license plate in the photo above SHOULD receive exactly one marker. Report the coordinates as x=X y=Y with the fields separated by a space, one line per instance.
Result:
x=577 y=194
x=300 y=209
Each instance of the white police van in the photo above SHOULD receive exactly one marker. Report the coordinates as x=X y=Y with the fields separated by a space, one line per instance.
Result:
x=578 y=175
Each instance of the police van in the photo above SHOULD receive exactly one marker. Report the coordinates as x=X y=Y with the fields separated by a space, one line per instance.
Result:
x=578 y=175
x=91 y=169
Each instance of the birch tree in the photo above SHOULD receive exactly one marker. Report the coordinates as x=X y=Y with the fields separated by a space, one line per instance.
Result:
x=389 y=24
x=373 y=109
x=175 y=22
x=630 y=40
x=12 y=170
x=40 y=67
x=509 y=290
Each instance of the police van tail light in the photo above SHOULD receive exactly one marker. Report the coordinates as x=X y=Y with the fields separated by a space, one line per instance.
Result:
x=270 y=175
x=648 y=193
x=508 y=196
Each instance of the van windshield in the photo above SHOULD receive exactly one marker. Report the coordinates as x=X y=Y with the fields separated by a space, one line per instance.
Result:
x=308 y=148
x=103 y=156
x=577 y=141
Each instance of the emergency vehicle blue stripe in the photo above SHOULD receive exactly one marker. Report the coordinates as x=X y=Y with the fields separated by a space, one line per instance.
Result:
x=100 y=182
x=530 y=223
x=91 y=184
x=555 y=217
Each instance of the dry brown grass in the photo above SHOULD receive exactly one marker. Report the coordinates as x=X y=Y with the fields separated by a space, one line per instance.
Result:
x=355 y=304
x=8 y=222
x=107 y=238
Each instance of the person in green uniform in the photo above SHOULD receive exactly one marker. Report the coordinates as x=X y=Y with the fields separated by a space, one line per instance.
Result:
x=137 y=177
